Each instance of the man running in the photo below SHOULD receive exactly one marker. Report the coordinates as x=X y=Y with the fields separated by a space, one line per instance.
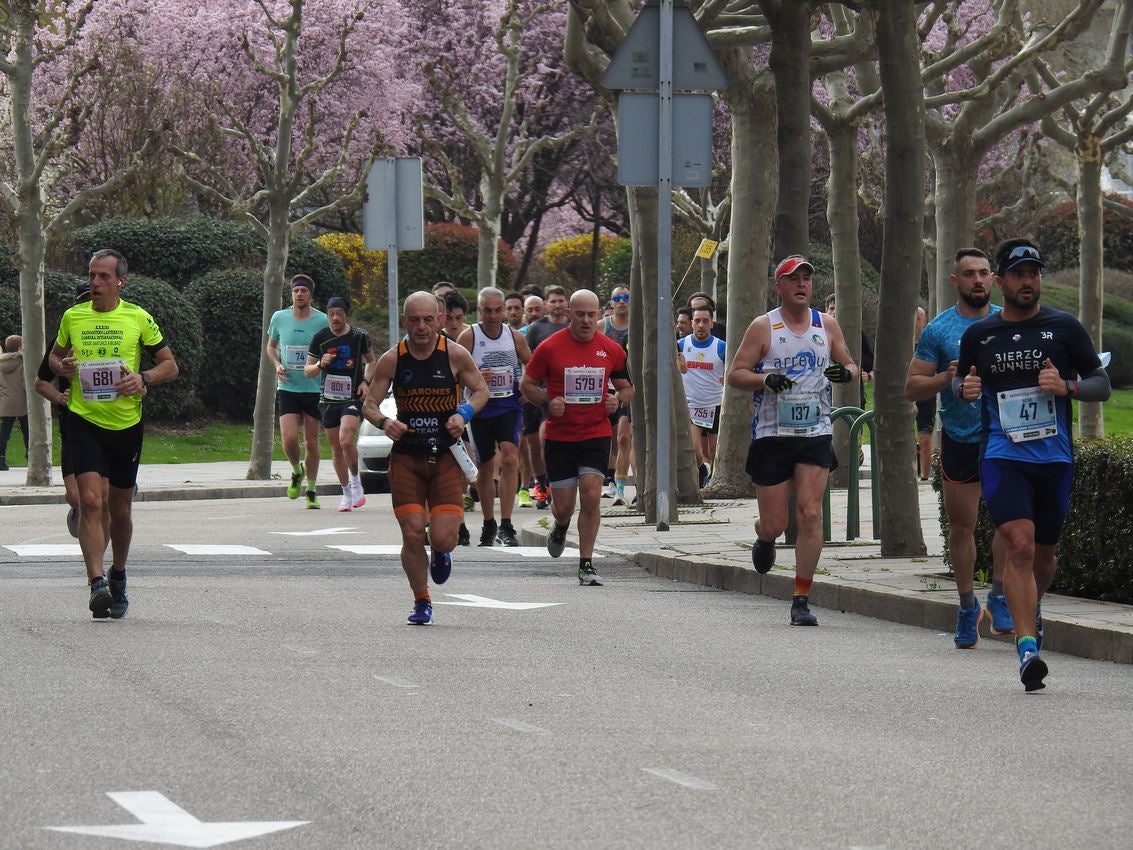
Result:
x=576 y=367
x=106 y=336
x=930 y=373
x=426 y=482
x=341 y=355
x=513 y=310
x=1024 y=365
x=290 y=332
x=554 y=320
x=700 y=357
x=498 y=352
x=616 y=327
x=788 y=358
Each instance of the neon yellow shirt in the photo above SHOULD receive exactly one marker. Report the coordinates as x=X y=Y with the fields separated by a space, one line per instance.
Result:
x=103 y=344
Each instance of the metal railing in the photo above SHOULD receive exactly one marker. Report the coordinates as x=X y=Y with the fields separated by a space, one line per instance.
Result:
x=858 y=419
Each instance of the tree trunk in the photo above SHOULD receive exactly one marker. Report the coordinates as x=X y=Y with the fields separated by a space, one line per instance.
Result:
x=842 y=214
x=898 y=57
x=32 y=247
x=263 y=418
x=488 y=226
x=1091 y=422
x=955 y=213
x=790 y=64
x=754 y=188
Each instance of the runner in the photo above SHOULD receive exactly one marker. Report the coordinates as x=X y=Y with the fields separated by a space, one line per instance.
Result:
x=290 y=332
x=704 y=301
x=425 y=478
x=576 y=367
x=788 y=357
x=530 y=460
x=554 y=320
x=616 y=327
x=498 y=351
x=106 y=336
x=57 y=390
x=701 y=361
x=931 y=372
x=926 y=410
x=1023 y=366
x=342 y=356
x=513 y=310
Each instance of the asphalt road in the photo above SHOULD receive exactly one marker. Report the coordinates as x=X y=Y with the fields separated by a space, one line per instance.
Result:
x=286 y=687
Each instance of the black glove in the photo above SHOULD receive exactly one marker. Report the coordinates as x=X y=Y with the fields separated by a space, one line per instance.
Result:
x=777 y=383
x=838 y=374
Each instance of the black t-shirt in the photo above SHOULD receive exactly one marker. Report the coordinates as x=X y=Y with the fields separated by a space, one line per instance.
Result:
x=341 y=378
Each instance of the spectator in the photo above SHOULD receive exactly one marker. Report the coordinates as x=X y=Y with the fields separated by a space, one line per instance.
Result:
x=13 y=395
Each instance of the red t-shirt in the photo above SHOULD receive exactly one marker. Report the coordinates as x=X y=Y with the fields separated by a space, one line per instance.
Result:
x=578 y=372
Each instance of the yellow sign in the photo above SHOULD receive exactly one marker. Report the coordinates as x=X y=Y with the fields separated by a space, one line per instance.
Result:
x=707 y=249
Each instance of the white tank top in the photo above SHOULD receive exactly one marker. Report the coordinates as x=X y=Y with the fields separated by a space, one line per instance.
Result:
x=804 y=409
x=500 y=357
x=703 y=381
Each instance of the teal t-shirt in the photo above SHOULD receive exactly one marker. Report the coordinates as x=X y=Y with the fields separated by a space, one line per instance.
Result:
x=294 y=337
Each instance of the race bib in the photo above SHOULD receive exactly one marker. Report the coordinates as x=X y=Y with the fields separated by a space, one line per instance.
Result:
x=501 y=381
x=584 y=384
x=338 y=388
x=98 y=377
x=702 y=417
x=294 y=357
x=1027 y=414
x=799 y=417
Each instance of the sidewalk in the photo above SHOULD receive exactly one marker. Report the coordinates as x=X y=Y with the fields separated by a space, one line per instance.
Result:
x=710 y=546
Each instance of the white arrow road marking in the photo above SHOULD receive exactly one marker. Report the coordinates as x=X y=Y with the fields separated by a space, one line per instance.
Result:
x=320 y=532
x=685 y=779
x=164 y=822
x=471 y=601
x=44 y=550
x=370 y=549
x=520 y=726
x=215 y=549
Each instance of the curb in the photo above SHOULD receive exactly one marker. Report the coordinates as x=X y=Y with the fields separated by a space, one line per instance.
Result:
x=1068 y=635
x=191 y=492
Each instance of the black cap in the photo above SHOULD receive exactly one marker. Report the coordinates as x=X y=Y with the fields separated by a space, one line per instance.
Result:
x=338 y=301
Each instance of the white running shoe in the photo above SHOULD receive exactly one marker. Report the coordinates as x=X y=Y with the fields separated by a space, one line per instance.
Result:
x=357 y=493
x=347 y=501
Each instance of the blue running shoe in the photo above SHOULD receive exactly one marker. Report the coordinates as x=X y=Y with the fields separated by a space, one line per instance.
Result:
x=1039 y=626
x=422 y=613
x=968 y=626
x=1032 y=671
x=999 y=614
x=440 y=567
x=100 y=598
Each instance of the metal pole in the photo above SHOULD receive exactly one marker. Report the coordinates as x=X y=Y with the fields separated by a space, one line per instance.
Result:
x=663 y=449
x=391 y=250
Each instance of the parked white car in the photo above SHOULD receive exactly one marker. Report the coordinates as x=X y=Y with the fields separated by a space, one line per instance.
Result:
x=373 y=451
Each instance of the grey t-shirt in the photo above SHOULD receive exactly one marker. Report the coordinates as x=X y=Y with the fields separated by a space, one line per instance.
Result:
x=540 y=329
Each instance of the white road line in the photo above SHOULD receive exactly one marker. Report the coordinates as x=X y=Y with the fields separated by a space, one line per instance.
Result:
x=215 y=549
x=320 y=532
x=396 y=683
x=684 y=779
x=45 y=550
x=370 y=549
x=538 y=552
x=520 y=726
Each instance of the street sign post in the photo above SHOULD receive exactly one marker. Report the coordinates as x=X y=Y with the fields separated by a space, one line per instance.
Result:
x=664 y=51
x=393 y=218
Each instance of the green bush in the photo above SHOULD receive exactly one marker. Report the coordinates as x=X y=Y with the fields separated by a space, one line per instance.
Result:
x=179 y=250
x=1056 y=232
x=1093 y=554
x=180 y=324
x=233 y=301
x=9 y=311
x=58 y=295
x=450 y=254
x=615 y=266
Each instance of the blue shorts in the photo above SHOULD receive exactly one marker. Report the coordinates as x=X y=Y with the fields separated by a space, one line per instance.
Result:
x=1040 y=492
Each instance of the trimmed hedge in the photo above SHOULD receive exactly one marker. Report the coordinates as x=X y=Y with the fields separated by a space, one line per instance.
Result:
x=1117 y=328
x=233 y=302
x=179 y=250
x=180 y=325
x=450 y=254
x=1056 y=231
x=1093 y=554
x=58 y=295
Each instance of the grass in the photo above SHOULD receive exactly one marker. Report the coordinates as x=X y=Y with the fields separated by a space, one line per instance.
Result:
x=212 y=441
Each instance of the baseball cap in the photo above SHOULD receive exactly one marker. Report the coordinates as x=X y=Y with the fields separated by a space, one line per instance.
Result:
x=82 y=290
x=792 y=264
x=304 y=281
x=1018 y=255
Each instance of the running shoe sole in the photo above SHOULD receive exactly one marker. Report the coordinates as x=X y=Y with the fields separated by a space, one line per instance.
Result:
x=73 y=522
x=1032 y=672
x=440 y=572
x=762 y=556
x=100 y=601
x=555 y=543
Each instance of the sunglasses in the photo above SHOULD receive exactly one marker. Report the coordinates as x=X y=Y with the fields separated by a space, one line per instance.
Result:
x=1021 y=251
x=620 y=298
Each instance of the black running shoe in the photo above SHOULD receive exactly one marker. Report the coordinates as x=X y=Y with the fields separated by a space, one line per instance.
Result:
x=488 y=533
x=763 y=555
x=440 y=567
x=800 y=613
x=100 y=598
x=118 y=600
x=463 y=538
x=507 y=535
x=557 y=540
x=1032 y=671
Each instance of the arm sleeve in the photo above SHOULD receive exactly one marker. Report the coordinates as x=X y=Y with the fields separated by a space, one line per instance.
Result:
x=721 y=349
x=1094 y=386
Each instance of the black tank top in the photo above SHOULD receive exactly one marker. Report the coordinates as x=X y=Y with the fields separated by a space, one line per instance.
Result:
x=427 y=395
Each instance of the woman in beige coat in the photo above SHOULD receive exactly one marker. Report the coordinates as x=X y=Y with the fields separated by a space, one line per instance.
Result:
x=13 y=396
